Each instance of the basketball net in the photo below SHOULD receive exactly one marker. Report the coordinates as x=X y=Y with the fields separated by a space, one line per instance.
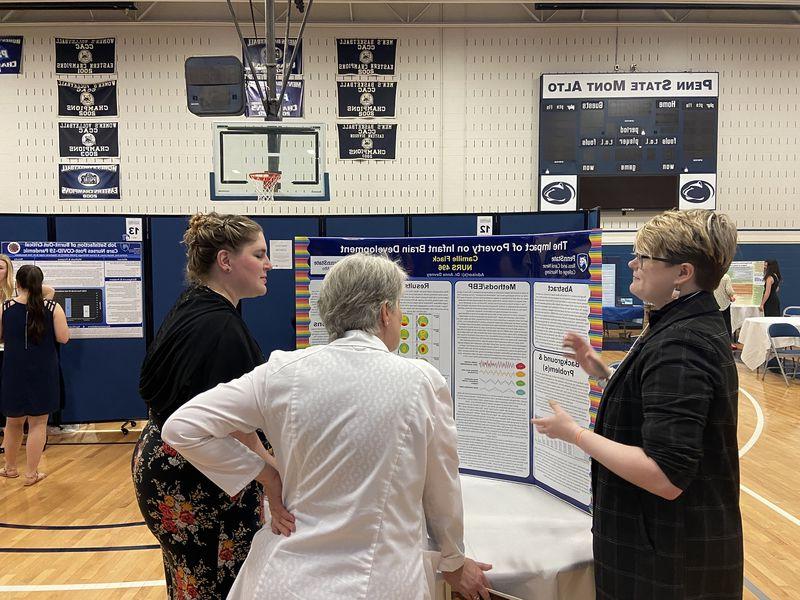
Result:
x=264 y=184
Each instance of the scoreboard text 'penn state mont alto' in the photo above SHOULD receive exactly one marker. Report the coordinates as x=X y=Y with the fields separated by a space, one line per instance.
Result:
x=628 y=141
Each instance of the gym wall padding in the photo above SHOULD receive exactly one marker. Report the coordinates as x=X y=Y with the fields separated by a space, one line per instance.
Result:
x=787 y=255
x=168 y=265
x=443 y=225
x=523 y=223
x=365 y=226
x=23 y=228
x=270 y=318
x=101 y=376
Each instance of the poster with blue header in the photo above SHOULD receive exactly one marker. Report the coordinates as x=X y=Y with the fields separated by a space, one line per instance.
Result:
x=98 y=284
x=490 y=313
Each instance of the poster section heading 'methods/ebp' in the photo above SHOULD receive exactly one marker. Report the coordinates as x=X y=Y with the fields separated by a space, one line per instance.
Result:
x=98 y=284
x=490 y=314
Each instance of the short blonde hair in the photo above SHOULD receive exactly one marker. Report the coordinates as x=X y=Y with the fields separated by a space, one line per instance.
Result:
x=354 y=290
x=704 y=238
x=7 y=285
x=207 y=234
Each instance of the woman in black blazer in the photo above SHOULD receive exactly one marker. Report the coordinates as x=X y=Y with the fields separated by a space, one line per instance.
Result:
x=665 y=468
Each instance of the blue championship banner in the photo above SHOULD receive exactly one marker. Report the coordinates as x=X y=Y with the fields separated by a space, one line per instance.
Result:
x=11 y=55
x=87 y=99
x=366 y=98
x=257 y=51
x=81 y=140
x=366 y=56
x=88 y=182
x=85 y=56
x=369 y=141
x=292 y=105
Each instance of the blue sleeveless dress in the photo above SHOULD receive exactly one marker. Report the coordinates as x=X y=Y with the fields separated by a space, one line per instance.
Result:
x=30 y=383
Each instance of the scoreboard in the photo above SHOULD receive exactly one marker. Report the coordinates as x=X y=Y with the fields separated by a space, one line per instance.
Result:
x=628 y=140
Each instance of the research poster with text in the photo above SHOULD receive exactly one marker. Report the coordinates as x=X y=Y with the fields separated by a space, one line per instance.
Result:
x=490 y=313
x=98 y=284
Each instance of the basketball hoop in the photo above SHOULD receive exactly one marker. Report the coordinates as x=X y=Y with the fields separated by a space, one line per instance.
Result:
x=264 y=183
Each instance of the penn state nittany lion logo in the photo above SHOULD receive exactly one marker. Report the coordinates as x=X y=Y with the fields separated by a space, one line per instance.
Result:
x=87 y=98
x=84 y=57
x=558 y=192
x=88 y=139
x=367 y=99
x=4 y=53
x=88 y=179
x=366 y=143
x=697 y=191
x=365 y=57
x=583 y=262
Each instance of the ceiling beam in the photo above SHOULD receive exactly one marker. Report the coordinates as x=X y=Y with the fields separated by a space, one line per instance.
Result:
x=422 y=12
x=145 y=12
x=399 y=16
x=531 y=13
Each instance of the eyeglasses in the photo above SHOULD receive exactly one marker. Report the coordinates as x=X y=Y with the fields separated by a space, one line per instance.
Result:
x=641 y=257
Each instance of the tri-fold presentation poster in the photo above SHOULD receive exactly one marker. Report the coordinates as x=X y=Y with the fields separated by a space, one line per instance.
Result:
x=98 y=284
x=490 y=313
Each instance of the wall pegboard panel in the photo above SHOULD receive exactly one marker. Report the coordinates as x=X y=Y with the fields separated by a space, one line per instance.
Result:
x=467 y=111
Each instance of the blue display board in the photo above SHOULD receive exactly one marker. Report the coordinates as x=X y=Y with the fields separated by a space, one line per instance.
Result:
x=490 y=314
x=98 y=284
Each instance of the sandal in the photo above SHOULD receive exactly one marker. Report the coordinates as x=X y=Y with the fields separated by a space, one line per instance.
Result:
x=34 y=479
x=9 y=473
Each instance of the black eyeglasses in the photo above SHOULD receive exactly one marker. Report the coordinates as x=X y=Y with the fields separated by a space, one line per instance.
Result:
x=641 y=257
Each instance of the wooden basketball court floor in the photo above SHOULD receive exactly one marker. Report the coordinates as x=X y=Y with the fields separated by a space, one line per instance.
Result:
x=79 y=534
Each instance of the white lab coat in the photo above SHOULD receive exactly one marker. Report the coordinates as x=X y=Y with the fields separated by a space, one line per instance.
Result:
x=366 y=447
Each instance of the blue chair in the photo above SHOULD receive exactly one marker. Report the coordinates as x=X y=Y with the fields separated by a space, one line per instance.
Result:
x=791 y=311
x=782 y=330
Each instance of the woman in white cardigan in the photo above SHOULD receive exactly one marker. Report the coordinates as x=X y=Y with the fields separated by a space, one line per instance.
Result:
x=365 y=452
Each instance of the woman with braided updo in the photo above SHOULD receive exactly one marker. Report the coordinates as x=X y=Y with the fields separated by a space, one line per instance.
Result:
x=204 y=533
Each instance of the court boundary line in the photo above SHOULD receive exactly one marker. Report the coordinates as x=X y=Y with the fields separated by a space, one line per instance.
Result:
x=759 y=423
x=746 y=448
x=69 y=527
x=57 y=549
x=76 y=587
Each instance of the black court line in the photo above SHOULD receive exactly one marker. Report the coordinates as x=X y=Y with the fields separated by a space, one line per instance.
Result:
x=68 y=527
x=88 y=549
x=131 y=443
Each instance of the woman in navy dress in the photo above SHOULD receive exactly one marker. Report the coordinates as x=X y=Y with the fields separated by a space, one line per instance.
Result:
x=30 y=327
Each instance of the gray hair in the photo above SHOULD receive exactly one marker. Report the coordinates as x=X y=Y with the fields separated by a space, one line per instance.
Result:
x=354 y=290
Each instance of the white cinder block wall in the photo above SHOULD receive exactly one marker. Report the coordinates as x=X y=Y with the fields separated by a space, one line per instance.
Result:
x=467 y=115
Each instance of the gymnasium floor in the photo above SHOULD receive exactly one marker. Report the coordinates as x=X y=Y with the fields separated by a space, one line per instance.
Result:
x=77 y=535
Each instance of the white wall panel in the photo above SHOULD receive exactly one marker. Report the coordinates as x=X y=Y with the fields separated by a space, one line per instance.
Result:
x=467 y=110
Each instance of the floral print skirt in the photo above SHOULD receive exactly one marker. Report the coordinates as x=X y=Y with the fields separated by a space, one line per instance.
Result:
x=205 y=534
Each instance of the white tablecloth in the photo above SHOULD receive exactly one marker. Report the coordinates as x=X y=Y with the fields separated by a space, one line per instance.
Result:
x=755 y=339
x=741 y=312
x=539 y=546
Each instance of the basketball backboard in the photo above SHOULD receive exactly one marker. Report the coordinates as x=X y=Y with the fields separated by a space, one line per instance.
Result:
x=296 y=150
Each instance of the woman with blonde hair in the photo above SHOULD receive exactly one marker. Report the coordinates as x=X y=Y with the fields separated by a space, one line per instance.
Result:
x=6 y=278
x=204 y=533
x=366 y=447
x=665 y=462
